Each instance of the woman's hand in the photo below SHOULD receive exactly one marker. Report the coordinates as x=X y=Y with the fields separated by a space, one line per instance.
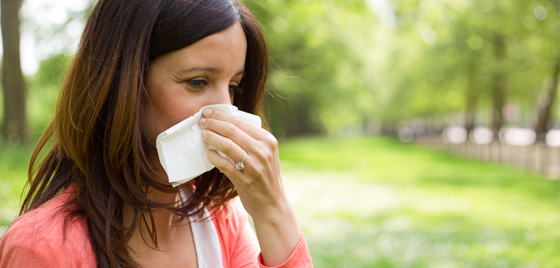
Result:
x=259 y=183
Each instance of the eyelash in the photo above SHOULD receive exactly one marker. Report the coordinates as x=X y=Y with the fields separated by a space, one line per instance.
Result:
x=197 y=84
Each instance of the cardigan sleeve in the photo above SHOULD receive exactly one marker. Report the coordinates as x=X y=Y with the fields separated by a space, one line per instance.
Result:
x=300 y=258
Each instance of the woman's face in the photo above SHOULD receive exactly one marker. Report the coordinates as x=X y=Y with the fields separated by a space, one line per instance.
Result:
x=180 y=83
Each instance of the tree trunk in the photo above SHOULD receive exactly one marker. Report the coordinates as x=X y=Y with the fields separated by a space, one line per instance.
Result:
x=300 y=121
x=500 y=79
x=544 y=111
x=290 y=117
x=14 y=128
x=471 y=96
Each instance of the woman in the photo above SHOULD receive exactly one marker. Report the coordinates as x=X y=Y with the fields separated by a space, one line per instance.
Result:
x=98 y=196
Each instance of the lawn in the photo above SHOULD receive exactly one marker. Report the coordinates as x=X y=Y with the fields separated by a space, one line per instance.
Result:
x=376 y=202
x=13 y=175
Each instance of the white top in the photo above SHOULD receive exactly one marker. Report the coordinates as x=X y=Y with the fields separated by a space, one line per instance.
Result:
x=205 y=236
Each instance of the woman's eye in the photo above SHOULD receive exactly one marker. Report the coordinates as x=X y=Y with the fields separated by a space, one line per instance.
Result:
x=234 y=89
x=197 y=84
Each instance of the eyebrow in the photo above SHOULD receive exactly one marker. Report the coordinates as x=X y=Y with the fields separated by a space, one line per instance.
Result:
x=209 y=69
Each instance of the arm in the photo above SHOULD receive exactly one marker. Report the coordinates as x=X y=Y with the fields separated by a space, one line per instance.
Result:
x=259 y=184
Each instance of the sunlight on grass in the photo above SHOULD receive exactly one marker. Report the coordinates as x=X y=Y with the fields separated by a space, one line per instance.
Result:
x=379 y=203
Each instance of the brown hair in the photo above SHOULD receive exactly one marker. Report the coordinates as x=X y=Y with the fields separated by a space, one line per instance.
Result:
x=94 y=140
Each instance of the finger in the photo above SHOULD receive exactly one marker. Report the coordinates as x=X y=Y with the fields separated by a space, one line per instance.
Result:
x=240 y=178
x=225 y=145
x=254 y=131
x=228 y=130
x=223 y=164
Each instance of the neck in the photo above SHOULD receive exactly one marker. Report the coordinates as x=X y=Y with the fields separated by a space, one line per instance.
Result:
x=166 y=222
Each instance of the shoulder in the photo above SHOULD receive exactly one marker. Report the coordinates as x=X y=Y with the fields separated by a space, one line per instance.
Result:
x=39 y=238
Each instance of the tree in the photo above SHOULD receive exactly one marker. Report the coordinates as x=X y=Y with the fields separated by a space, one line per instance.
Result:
x=474 y=57
x=14 y=127
x=319 y=77
x=548 y=103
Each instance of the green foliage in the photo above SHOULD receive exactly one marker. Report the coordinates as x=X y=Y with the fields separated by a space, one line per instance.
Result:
x=319 y=64
x=445 y=50
x=44 y=87
x=1 y=101
x=52 y=70
x=336 y=66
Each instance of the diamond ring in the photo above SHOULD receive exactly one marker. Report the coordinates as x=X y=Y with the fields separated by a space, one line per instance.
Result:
x=239 y=164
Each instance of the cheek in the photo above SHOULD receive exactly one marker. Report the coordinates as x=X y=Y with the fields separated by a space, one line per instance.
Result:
x=149 y=123
x=164 y=110
x=154 y=112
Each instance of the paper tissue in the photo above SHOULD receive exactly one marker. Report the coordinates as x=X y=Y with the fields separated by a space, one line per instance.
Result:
x=181 y=150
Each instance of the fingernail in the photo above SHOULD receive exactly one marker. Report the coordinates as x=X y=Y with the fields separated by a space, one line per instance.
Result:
x=203 y=132
x=201 y=121
x=207 y=112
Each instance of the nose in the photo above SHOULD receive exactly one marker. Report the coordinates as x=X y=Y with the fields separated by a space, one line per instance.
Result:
x=222 y=95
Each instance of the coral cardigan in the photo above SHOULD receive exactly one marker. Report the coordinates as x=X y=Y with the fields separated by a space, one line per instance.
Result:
x=36 y=240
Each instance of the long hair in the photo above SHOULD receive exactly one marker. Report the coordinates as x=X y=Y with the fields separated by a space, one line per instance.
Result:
x=94 y=140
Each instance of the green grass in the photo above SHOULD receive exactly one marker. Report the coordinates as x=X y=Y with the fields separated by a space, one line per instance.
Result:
x=13 y=175
x=375 y=202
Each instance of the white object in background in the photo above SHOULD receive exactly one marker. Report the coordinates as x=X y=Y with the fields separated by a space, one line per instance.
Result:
x=553 y=138
x=406 y=134
x=518 y=136
x=482 y=135
x=455 y=134
x=181 y=150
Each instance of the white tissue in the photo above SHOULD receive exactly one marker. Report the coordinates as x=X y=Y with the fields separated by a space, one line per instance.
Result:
x=181 y=150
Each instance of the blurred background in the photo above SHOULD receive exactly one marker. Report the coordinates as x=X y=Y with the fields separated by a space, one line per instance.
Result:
x=413 y=133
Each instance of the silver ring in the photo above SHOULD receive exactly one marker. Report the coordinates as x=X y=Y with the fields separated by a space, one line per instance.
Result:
x=239 y=164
